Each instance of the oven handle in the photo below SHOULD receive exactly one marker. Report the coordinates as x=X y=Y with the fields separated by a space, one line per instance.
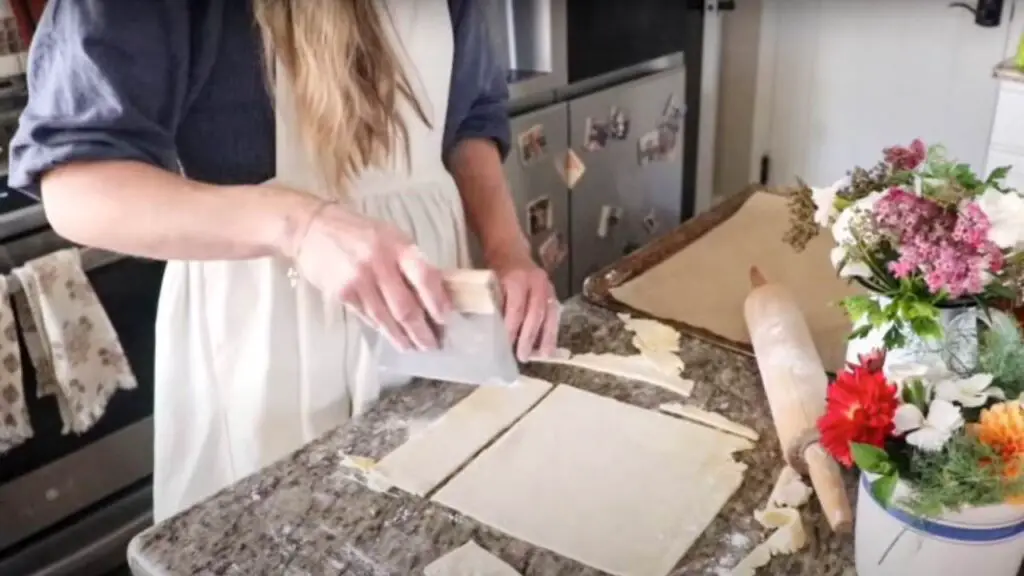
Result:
x=92 y=258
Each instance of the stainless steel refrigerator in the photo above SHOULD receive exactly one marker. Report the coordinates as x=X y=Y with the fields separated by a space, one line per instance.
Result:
x=626 y=187
x=596 y=167
x=632 y=186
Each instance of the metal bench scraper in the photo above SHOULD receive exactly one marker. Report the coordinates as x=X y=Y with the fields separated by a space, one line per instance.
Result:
x=474 y=345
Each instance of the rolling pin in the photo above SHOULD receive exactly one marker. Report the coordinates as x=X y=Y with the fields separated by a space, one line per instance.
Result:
x=795 y=383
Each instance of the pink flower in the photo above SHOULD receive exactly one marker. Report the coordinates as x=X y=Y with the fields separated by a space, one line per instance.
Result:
x=908 y=158
x=948 y=248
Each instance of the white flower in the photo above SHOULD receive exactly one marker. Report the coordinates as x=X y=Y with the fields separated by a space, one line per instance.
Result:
x=901 y=366
x=929 y=434
x=970 y=392
x=825 y=202
x=842 y=233
x=852 y=268
x=1005 y=214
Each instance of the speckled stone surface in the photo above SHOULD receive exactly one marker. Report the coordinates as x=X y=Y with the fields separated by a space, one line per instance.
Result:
x=309 y=515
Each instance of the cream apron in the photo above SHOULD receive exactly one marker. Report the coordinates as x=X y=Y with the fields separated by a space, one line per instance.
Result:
x=249 y=367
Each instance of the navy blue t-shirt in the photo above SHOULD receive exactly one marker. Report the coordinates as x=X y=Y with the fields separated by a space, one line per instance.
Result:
x=160 y=81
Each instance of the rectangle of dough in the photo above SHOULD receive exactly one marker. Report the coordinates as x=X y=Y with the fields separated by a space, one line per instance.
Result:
x=469 y=560
x=619 y=488
x=432 y=456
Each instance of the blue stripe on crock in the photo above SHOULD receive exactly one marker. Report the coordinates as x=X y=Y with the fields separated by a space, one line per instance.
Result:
x=958 y=533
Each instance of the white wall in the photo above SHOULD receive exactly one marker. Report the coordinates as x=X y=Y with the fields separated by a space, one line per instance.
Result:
x=744 y=57
x=737 y=92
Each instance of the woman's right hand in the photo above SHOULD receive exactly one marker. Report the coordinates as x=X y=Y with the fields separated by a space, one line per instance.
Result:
x=376 y=270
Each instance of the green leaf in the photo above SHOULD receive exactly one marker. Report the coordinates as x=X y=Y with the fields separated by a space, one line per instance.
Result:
x=860 y=332
x=998 y=174
x=894 y=338
x=914 y=392
x=870 y=458
x=920 y=309
x=857 y=307
x=1001 y=291
x=926 y=328
x=883 y=488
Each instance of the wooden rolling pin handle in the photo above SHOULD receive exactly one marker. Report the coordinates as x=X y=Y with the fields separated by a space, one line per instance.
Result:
x=829 y=488
x=795 y=451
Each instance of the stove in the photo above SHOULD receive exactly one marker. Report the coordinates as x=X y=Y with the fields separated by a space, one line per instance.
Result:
x=71 y=503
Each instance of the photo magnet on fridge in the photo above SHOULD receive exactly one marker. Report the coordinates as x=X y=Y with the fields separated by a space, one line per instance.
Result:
x=673 y=112
x=609 y=219
x=570 y=168
x=595 y=135
x=552 y=251
x=532 y=144
x=618 y=121
x=650 y=222
x=540 y=216
x=649 y=148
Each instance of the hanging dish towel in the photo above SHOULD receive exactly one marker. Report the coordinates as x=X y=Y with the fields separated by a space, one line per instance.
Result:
x=15 y=427
x=69 y=338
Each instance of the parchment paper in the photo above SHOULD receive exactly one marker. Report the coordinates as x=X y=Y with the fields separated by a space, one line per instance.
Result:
x=704 y=285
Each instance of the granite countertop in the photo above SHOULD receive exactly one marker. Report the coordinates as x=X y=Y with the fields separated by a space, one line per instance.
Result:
x=309 y=515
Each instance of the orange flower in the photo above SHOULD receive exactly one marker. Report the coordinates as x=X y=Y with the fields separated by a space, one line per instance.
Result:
x=1001 y=427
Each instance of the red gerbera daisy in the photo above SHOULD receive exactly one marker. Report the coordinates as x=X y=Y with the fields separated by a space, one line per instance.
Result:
x=860 y=408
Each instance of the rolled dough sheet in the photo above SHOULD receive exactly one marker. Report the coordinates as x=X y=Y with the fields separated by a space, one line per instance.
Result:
x=706 y=283
x=651 y=335
x=636 y=367
x=469 y=560
x=613 y=486
x=713 y=419
x=432 y=456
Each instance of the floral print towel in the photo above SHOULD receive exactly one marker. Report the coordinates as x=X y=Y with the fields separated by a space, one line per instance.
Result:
x=69 y=338
x=15 y=427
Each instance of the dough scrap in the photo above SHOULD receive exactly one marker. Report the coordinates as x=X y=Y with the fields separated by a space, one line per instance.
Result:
x=712 y=419
x=579 y=467
x=432 y=456
x=636 y=367
x=364 y=465
x=469 y=560
x=790 y=490
x=788 y=538
x=651 y=335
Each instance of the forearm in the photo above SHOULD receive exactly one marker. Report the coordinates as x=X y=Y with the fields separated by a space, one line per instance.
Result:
x=137 y=209
x=490 y=210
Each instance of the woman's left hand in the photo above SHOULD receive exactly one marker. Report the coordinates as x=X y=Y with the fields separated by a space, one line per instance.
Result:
x=531 y=306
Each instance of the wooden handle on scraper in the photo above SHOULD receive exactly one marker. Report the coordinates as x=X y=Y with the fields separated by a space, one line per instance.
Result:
x=795 y=384
x=473 y=291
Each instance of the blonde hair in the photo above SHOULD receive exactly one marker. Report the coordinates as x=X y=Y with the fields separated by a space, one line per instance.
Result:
x=347 y=78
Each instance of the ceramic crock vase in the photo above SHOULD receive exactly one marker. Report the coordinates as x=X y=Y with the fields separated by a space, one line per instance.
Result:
x=958 y=345
x=984 y=541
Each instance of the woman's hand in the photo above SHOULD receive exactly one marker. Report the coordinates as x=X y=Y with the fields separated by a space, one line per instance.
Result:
x=531 y=306
x=376 y=270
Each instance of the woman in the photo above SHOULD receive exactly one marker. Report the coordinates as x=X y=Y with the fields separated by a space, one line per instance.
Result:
x=150 y=130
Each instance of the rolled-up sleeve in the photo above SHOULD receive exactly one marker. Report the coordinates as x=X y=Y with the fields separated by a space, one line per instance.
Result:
x=106 y=80
x=477 y=105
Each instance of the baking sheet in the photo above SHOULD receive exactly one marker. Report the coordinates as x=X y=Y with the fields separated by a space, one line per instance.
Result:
x=697 y=276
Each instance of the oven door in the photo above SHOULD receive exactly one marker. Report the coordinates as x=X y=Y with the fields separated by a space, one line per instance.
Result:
x=68 y=499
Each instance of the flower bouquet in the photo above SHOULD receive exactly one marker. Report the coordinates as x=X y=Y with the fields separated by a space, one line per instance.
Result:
x=940 y=455
x=924 y=234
